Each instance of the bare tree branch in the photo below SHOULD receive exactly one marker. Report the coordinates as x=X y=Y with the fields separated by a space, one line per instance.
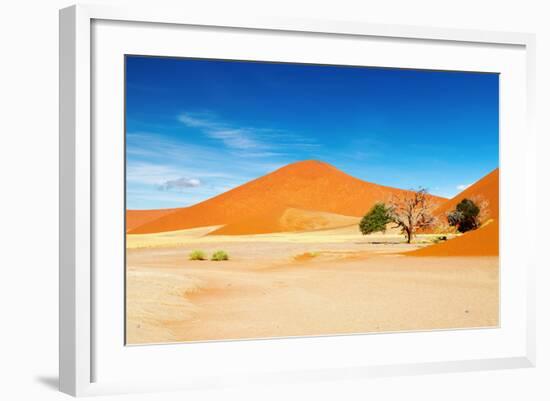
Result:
x=412 y=211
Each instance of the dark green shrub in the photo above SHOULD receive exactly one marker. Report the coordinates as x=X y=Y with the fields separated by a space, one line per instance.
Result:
x=465 y=217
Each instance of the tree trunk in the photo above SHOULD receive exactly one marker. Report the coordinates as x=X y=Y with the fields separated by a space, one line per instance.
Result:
x=409 y=235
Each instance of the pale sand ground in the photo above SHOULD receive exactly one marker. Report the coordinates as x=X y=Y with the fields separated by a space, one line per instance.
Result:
x=348 y=283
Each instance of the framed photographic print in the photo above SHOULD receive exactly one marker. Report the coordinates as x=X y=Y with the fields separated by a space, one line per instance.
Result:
x=270 y=200
x=246 y=216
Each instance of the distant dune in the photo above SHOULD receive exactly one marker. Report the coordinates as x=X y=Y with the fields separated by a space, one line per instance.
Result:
x=486 y=188
x=481 y=242
x=260 y=204
x=136 y=218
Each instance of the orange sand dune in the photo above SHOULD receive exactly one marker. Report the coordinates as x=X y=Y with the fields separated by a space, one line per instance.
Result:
x=486 y=188
x=480 y=242
x=287 y=220
x=136 y=218
x=310 y=185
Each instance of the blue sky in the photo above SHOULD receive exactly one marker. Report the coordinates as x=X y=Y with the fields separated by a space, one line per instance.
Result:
x=196 y=128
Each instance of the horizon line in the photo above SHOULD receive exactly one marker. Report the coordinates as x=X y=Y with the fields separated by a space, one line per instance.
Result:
x=312 y=161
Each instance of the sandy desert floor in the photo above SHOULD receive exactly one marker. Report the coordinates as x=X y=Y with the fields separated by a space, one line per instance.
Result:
x=299 y=284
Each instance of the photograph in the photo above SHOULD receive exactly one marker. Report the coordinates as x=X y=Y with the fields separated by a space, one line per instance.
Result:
x=272 y=199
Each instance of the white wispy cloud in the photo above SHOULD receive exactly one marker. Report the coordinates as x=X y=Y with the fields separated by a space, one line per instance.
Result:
x=236 y=138
x=200 y=120
x=157 y=174
x=233 y=137
x=153 y=174
x=150 y=145
x=164 y=155
x=250 y=141
x=150 y=184
x=462 y=187
x=177 y=171
x=180 y=184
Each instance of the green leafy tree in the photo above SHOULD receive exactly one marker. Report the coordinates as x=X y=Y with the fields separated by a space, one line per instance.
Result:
x=375 y=220
x=465 y=217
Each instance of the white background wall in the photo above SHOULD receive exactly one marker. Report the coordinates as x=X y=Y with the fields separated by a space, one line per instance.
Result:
x=29 y=185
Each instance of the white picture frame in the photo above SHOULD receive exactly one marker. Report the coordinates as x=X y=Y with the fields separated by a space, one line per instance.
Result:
x=77 y=367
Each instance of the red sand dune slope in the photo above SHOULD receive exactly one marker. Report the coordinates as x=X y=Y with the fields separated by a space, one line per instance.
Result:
x=136 y=218
x=310 y=185
x=483 y=241
x=287 y=220
x=486 y=188
x=480 y=242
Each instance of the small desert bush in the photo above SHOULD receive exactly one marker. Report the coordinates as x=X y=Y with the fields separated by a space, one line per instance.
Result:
x=438 y=239
x=197 y=255
x=220 y=255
